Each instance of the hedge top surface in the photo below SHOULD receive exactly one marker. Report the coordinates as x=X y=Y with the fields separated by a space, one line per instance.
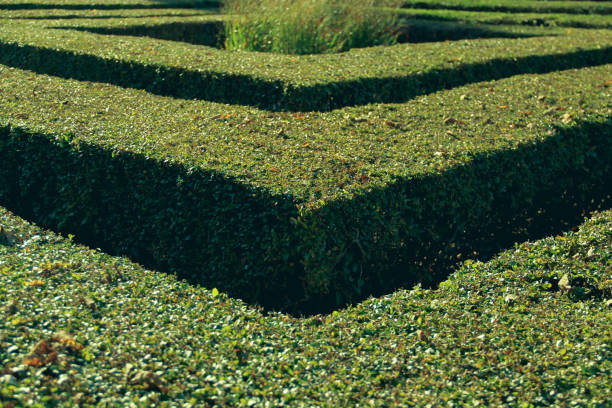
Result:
x=497 y=17
x=298 y=71
x=314 y=157
x=103 y=4
x=553 y=6
x=530 y=327
x=87 y=16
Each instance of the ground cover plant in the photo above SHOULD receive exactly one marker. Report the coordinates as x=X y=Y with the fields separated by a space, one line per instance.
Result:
x=301 y=183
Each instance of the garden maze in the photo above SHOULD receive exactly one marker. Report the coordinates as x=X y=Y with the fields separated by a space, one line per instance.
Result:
x=393 y=225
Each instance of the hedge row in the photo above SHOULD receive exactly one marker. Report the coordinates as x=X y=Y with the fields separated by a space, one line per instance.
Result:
x=105 y=4
x=316 y=212
x=532 y=327
x=516 y=6
x=280 y=82
x=526 y=19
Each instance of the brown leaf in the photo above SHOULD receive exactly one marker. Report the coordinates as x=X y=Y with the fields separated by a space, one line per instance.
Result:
x=65 y=339
x=149 y=380
x=564 y=283
x=422 y=336
x=33 y=361
x=41 y=348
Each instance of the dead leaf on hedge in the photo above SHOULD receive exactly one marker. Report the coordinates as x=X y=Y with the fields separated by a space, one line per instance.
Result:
x=41 y=354
x=564 y=283
x=422 y=336
x=149 y=380
x=567 y=118
x=65 y=339
x=42 y=347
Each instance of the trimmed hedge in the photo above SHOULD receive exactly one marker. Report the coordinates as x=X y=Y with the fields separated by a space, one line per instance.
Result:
x=529 y=328
x=105 y=4
x=496 y=18
x=516 y=6
x=316 y=229
x=293 y=83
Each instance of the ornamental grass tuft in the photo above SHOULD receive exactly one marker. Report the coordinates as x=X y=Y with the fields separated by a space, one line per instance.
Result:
x=309 y=26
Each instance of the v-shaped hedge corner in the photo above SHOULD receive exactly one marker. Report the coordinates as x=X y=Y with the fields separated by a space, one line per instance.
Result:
x=276 y=94
x=260 y=248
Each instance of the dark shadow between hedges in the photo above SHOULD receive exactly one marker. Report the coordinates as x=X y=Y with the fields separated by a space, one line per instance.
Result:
x=187 y=4
x=211 y=33
x=419 y=31
x=208 y=229
x=276 y=94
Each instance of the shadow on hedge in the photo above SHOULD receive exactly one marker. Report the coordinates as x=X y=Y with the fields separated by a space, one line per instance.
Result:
x=419 y=31
x=276 y=94
x=219 y=233
x=211 y=33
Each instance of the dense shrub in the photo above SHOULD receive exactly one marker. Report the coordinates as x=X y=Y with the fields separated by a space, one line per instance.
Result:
x=307 y=26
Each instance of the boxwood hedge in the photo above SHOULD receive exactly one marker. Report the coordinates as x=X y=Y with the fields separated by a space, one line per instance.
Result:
x=516 y=6
x=293 y=83
x=532 y=327
x=303 y=211
x=495 y=18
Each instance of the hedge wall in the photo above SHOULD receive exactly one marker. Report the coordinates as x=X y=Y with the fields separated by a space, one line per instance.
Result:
x=257 y=247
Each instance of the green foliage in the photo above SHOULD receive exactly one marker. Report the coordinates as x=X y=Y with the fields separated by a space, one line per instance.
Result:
x=495 y=18
x=307 y=26
x=122 y=142
x=501 y=333
x=516 y=6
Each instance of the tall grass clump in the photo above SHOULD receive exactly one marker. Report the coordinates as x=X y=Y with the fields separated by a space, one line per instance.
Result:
x=308 y=26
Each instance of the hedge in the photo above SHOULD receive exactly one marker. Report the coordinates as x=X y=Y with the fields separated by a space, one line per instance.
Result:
x=531 y=327
x=106 y=4
x=333 y=214
x=280 y=82
x=503 y=18
x=516 y=6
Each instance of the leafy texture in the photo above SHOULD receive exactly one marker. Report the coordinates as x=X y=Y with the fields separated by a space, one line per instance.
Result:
x=496 y=333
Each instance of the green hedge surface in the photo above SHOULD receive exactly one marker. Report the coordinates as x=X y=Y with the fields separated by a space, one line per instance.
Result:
x=309 y=195
x=516 y=6
x=311 y=206
x=374 y=197
x=496 y=18
x=295 y=83
x=105 y=4
x=529 y=328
